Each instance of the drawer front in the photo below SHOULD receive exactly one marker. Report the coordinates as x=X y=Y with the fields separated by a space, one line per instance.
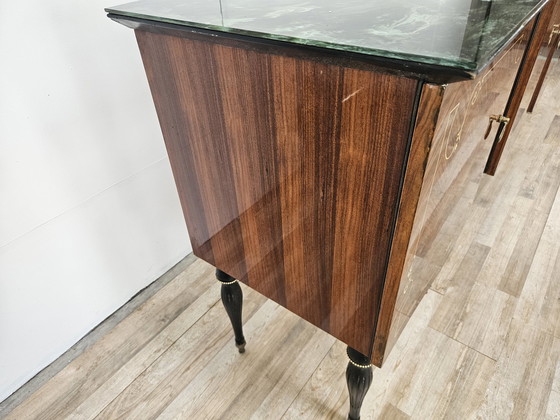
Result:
x=457 y=152
x=459 y=142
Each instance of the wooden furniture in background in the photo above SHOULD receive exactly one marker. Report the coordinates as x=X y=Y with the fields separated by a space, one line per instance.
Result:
x=553 y=44
x=310 y=175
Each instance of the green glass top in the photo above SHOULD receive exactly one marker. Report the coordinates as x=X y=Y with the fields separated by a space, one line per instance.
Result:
x=461 y=34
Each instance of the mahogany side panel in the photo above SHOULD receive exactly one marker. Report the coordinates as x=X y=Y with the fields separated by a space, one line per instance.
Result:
x=289 y=172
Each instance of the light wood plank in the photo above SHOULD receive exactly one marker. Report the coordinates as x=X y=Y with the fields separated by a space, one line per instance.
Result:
x=294 y=377
x=490 y=322
x=553 y=134
x=553 y=408
x=317 y=401
x=142 y=360
x=390 y=412
x=465 y=392
x=547 y=185
x=389 y=383
x=229 y=376
x=539 y=302
x=520 y=386
x=150 y=393
x=68 y=389
x=449 y=316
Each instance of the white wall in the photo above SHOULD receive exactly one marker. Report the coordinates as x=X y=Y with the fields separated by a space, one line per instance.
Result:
x=88 y=209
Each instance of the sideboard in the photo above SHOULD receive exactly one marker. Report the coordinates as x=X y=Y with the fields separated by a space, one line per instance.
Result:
x=311 y=142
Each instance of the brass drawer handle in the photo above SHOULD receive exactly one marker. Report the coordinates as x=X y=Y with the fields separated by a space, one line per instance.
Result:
x=498 y=118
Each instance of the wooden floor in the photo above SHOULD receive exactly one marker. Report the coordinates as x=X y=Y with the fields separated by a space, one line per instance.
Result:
x=484 y=342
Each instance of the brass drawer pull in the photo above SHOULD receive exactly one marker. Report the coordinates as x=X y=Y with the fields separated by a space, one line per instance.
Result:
x=498 y=118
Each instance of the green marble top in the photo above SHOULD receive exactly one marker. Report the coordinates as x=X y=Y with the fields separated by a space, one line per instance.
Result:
x=460 y=34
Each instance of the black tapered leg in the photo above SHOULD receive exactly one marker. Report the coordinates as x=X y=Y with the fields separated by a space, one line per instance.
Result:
x=232 y=298
x=358 y=377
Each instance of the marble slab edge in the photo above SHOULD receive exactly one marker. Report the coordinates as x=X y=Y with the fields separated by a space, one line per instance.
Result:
x=431 y=73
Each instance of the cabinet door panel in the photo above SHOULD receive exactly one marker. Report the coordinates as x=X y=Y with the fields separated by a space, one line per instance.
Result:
x=457 y=154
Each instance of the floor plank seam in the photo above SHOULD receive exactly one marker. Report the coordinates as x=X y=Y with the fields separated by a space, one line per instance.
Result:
x=307 y=381
x=160 y=356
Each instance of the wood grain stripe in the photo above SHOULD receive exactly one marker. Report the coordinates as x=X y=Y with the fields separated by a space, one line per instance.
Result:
x=298 y=167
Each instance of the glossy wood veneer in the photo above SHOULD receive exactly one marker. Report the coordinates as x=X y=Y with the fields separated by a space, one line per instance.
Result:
x=289 y=172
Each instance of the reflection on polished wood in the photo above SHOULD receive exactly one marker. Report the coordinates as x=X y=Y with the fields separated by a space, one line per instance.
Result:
x=288 y=170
